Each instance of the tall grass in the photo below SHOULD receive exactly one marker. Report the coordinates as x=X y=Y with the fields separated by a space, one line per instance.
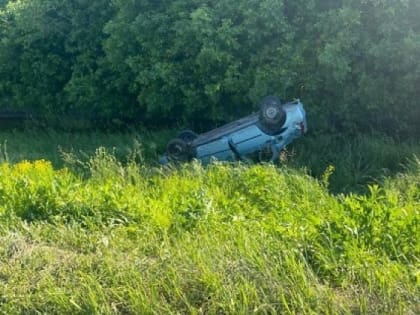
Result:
x=49 y=144
x=353 y=162
x=357 y=161
x=101 y=236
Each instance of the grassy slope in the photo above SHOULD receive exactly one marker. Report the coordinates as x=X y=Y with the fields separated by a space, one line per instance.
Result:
x=222 y=239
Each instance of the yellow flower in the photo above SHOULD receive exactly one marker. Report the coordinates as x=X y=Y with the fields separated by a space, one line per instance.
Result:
x=23 y=167
x=42 y=166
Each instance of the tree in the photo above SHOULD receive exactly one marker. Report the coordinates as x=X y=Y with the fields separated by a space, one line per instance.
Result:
x=189 y=59
x=200 y=62
x=33 y=61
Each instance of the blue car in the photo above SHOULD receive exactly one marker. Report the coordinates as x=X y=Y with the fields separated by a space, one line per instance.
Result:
x=272 y=128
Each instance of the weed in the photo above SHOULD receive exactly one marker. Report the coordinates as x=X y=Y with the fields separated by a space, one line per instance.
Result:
x=117 y=236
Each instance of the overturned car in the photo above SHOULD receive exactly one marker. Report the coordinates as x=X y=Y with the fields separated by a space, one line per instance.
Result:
x=270 y=129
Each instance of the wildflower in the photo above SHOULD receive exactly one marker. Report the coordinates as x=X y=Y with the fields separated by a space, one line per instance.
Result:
x=23 y=167
x=42 y=166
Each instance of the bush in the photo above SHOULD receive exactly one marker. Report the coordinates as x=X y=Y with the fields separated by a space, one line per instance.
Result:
x=199 y=63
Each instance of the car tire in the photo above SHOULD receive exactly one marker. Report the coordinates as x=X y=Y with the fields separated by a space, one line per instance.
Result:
x=178 y=150
x=187 y=135
x=272 y=117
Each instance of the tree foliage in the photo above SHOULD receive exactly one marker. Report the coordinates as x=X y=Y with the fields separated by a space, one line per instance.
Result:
x=353 y=63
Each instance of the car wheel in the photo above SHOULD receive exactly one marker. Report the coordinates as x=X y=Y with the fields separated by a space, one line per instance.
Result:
x=177 y=150
x=272 y=117
x=187 y=135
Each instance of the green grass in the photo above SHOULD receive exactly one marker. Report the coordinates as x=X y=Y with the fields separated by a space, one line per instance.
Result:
x=357 y=161
x=104 y=235
x=17 y=145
